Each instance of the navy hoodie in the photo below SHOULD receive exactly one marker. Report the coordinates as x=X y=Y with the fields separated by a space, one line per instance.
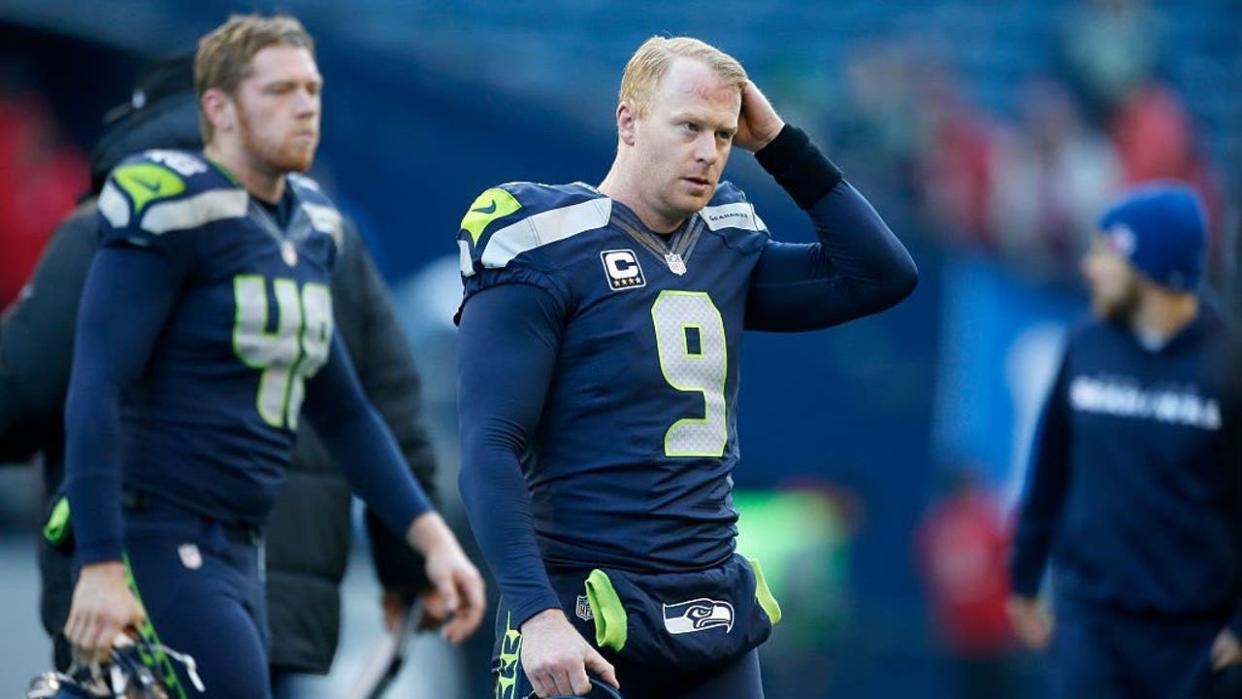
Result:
x=1135 y=487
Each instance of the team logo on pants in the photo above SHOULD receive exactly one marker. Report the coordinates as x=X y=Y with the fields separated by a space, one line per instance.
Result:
x=507 y=667
x=698 y=615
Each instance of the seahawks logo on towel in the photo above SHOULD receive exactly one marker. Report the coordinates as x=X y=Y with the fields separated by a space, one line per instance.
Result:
x=698 y=615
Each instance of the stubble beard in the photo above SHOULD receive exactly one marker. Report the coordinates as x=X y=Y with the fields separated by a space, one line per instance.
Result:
x=277 y=158
x=1120 y=309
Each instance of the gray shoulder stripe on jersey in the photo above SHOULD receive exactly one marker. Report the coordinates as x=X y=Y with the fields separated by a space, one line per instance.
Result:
x=543 y=228
x=195 y=211
x=467 y=264
x=304 y=181
x=326 y=219
x=114 y=206
x=739 y=214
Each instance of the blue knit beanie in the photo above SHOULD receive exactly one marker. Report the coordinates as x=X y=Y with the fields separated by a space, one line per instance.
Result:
x=1162 y=229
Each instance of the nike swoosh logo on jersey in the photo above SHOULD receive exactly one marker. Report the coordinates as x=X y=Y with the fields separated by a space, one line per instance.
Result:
x=155 y=187
x=492 y=204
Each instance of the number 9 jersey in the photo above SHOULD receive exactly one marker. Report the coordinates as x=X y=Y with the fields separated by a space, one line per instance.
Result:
x=210 y=423
x=632 y=456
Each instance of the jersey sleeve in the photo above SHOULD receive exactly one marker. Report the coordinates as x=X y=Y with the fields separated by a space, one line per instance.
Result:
x=156 y=200
x=108 y=358
x=731 y=209
x=149 y=208
x=361 y=444
x=501 y=398
x=499 y=242
x=857 y=267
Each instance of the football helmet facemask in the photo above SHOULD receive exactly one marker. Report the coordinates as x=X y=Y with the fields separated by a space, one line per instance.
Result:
x=123 y=676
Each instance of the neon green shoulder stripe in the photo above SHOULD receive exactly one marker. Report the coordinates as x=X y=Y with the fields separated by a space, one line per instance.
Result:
x=489 y=206
x=147 y=182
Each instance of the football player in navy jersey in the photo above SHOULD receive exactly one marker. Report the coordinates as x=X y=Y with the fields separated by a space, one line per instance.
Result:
x=598 y=358
x=205 y=333
x=1135 y=486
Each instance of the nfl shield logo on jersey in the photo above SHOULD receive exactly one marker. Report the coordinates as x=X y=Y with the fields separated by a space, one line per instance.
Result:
x=191 y=557
x=583 y=609
x=622 y=269
x=698 y=615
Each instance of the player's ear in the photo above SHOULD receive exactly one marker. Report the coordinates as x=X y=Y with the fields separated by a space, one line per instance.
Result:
x=219 y=109
x=626 y=118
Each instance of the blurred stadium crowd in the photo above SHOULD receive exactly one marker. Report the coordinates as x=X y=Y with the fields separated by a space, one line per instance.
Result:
x=1025 y=184
x=1000 y=131
x=989 y=137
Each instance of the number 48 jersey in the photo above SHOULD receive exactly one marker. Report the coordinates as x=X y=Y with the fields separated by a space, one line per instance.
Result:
x=210 y=423
x=632 y=457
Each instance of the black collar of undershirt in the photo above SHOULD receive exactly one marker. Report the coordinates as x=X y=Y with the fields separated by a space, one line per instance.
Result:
x=281 y=211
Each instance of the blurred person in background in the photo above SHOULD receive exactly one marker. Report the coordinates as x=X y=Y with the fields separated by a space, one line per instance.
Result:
x=40 y=177
x=1109 y=48
x=961 y=547
x=598 y=446
x=308 y=535
x=1135 y=490
x=1155 y=137
x=1052 y=175
x=1156 y=140
x=871 y=127
x=180 y=422
x=954 y=161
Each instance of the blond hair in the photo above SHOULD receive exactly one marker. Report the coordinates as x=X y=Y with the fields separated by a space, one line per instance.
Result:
x=223 y=58
x=651 y=61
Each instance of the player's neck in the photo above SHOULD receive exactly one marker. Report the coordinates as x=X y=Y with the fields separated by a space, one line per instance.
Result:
x=621 y=188
x=260 y=182
x=1162 y=314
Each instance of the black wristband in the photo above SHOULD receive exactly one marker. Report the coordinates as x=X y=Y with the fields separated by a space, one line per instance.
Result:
x=799 y=167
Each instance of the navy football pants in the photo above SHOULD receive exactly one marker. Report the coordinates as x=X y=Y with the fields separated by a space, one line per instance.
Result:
x=201 y=587
x=738 y=679
x=1102 y=654
x=735 y=680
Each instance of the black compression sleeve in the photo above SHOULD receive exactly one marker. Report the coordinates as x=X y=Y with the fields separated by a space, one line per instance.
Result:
x=799 y=167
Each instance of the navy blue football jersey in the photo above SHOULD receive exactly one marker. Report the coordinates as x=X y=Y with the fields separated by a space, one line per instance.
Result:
x=210 y=423
x=632 y=458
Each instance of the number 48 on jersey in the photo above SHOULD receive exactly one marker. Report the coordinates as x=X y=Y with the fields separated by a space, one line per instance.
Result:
x=290 y=354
